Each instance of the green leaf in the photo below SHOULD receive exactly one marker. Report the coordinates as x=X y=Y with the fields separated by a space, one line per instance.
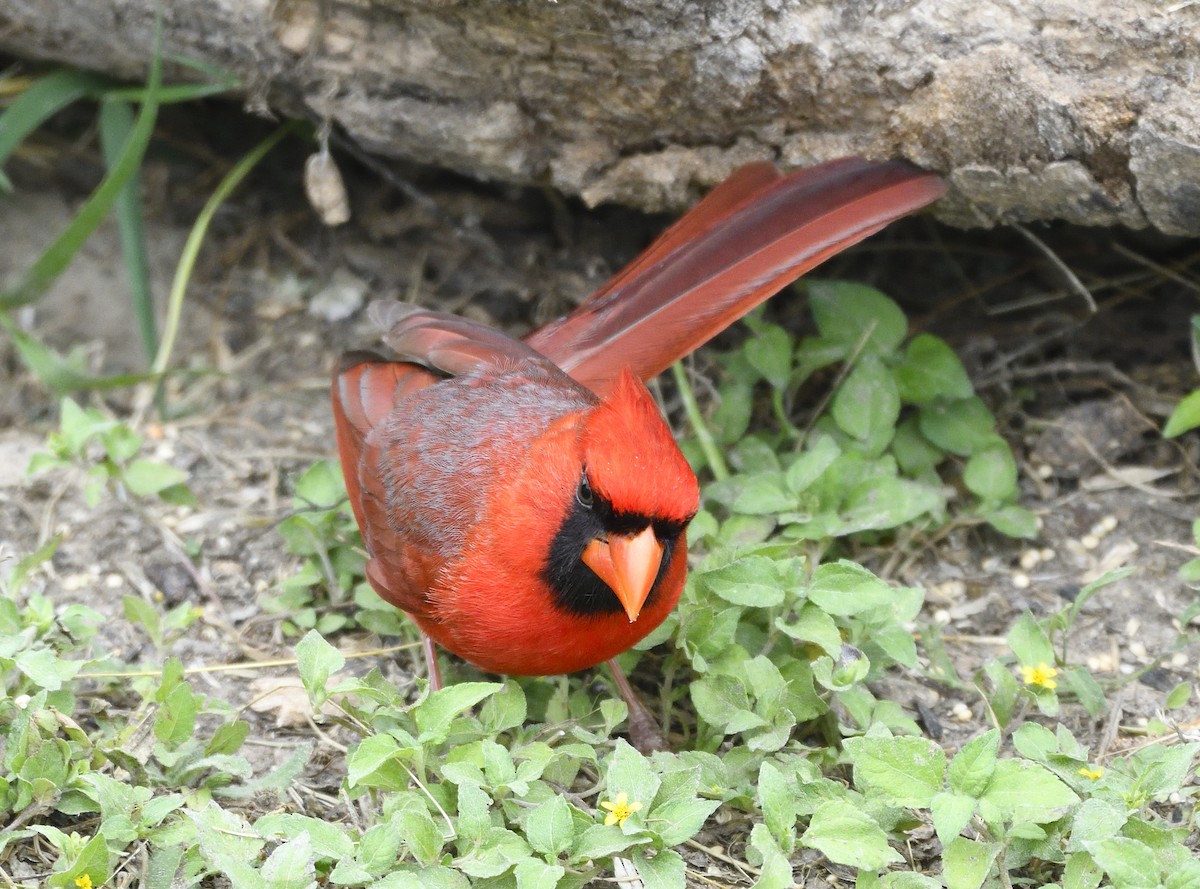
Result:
x=45 y=668
x=991 y=473
x=325 y=839
x=818 y=456
x=847 y=835
x=437 y=711
x=966 y=863
x=778 y=803
x=846 y=313
x=291 y=865
x=1021 y=790
x=930 y=371
x=973 y=765
x=1082 y=872
x=1128 y=863
x=867 y=403
x=1086 y=689
x=92 y=861
x=960 y=427
x=678 y=821
x=629 y=772
x=420 y=834
x=473 y=822
x=750 y=580
x=1030 y=643
x=903 y=771
x=228 y=738
x=1185 y=416
x=776 y=870
x=1014 y=521
x=146 y=477
x=549 y=828
x=316 y=661
x=764 y=494
x=1094 y=820
x=176 y=718
x=663 y=871
x=603 y=841
x=504 y=710
x=1178 y=696
x=951 y=812
x=770 y=352
x=843 y=588
x=534 y=874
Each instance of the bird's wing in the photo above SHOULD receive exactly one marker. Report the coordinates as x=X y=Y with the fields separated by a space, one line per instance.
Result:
x=751 y=237
x=448 y=343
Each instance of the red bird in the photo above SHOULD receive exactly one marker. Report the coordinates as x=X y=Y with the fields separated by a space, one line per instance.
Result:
x=524 y=502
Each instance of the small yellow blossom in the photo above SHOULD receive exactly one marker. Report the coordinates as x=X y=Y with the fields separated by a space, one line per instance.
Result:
x=619 y=809
x=83 y=881
x=1042 y=675
x=1092 y=774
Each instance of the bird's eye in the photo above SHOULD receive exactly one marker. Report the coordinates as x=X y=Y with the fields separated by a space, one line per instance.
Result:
x=584 y=493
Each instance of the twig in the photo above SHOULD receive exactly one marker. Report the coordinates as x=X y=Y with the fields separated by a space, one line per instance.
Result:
x=1071 y=277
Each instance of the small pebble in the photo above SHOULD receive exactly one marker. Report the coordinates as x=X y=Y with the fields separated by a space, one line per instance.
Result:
x=1132 y=626
x=941 y=616
x=1029 y=559
x=114 y=581
x=961 y=712
x=1101 y=663
x=1137 y=649
x=75 y=582
x=1127 y=670
x=1108 y=523
x=1020 y=581
x=1044 y=470
x=1048 y=555
x=1178 y=659
x=1089 y=541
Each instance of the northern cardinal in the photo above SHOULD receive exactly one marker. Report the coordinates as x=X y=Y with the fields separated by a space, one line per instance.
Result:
x=523 y=501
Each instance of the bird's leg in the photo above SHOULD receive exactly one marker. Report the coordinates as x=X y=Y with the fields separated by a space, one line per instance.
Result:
x=433 y=671
x=644 y=732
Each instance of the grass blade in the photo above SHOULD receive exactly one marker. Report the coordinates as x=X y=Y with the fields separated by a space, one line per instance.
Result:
x=116 y=124
x=191 y=249
x=59 y=254
x=62 y=374
x=38 y=103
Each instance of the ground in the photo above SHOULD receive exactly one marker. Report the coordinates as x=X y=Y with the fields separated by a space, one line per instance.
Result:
x=277 y=297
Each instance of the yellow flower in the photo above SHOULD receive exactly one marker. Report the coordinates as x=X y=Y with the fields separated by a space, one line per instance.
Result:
x=83 y=881
x=1092 y=774
x=1041 y=675
x=619 y=809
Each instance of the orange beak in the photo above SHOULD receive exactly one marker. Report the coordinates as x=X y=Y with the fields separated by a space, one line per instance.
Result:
x=628 y=565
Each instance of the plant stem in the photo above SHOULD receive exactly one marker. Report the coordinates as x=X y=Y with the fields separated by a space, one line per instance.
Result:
x=708 y=444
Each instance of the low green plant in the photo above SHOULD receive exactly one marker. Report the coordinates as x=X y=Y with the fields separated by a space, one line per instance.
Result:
x=767 y=671
x=107 y=451
x=901 y=412
x=329 y=592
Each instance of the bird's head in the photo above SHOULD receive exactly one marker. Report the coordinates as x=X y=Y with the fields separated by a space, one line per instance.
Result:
x=635 y=496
